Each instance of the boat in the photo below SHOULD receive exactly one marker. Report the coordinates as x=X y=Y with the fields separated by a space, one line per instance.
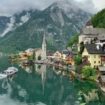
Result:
x=3 y=76
x=10 y=71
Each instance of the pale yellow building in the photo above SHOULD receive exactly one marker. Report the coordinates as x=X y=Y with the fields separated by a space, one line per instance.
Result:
x=58 y=56
x=94 y=53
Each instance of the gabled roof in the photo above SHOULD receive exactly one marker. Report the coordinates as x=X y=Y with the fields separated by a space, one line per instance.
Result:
x=92 y=49
x=89 y=23
x=93 y=31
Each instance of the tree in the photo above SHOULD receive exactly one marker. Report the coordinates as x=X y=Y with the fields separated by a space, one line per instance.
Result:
x=88 y=72
x=73 y=40
x=78 y=59
x=30 y=57
x=98 y=20
x=81 y=47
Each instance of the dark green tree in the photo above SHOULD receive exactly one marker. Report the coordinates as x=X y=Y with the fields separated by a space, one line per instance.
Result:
x=73 y=40
x=78 y=59
x=81 y=47
x=98 y=20
x=87 y=71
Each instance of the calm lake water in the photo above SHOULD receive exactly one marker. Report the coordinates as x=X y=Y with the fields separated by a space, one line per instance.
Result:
x=42 y=86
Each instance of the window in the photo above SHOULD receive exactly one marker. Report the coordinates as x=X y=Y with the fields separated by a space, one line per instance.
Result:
x=98 y=61
x=94 y=61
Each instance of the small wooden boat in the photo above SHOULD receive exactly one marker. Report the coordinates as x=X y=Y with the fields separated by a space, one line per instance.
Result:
x=10 y=71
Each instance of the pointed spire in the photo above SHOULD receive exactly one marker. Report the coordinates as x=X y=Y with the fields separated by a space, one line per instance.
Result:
x=44 y=47
x=44 y=39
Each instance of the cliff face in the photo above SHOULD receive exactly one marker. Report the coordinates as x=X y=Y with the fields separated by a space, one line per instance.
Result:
x=59 y=21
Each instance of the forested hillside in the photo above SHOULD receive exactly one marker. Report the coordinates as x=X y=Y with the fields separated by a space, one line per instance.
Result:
x=99 y=19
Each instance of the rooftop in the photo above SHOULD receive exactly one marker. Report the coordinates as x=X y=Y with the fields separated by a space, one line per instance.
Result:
x=89 y=23
x=92 y=49
x=93 y=31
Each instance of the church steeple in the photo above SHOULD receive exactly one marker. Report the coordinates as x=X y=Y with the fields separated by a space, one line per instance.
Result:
x=44 y=47
x=44 y=41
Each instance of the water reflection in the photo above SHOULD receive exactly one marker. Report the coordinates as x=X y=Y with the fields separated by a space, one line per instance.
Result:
x=89 y=93
x=41 y=85
x=39 y=69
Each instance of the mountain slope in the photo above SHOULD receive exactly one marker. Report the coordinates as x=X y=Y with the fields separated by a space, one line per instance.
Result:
x=10 y=23
x=58 y=22
x=3 y=23
x=99 y=19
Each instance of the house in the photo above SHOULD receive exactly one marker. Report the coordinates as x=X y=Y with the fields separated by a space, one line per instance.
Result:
x=95 y=54
x=90 y=35
x=66 y=51
x=26 y=54
x=57 y=55
x=69 y=59
x=69 y=56
x=29 y=51
x=23 y=56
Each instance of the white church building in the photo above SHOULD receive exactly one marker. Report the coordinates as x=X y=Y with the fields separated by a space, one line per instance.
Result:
x=41 y=52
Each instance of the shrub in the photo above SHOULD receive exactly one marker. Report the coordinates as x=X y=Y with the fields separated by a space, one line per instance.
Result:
x=78 y=60
x=88 y=72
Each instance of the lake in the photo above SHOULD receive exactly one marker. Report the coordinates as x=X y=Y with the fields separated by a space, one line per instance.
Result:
x=43 y=86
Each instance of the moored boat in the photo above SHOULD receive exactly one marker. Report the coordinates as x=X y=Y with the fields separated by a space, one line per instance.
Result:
x=3 y=76
x=10 y=71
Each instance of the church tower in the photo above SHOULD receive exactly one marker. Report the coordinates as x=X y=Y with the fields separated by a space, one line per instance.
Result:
x=44 y=48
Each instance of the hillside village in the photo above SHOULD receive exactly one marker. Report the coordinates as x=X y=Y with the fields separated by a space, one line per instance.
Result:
x=93 y=40
x=52 y=52
x=90 y=55
x=83 y=60
x=94 y=45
